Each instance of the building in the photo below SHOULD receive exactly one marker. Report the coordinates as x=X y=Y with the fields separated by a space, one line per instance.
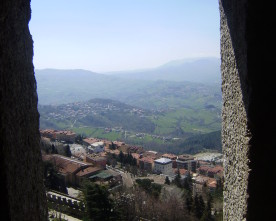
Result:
x=215 y=172
x=200 y=181
x=96 y=160
x=211 y=171
x=172 y=157
x=163 y=166
x=97 y=147
x=187 y=162
x=73 y=171
x=146 y=163
x=49 y=133
x=66 y=135
x=63 y=135
x=78 y=151
x=106 y=175
x=86 y=173
x=89 y=141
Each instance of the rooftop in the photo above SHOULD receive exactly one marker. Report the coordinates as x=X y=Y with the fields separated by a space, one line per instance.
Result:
x=185 y=157
x=88 y=170
x=163 y=161
x=65 y=164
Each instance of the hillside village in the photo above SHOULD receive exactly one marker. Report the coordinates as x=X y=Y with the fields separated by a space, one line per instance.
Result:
x=116 y=164
x=82 y=109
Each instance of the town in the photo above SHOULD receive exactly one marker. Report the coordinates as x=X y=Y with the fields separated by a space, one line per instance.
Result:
x=117 y=165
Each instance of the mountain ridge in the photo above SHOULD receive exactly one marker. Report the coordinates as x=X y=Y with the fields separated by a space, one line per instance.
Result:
x=199 y=70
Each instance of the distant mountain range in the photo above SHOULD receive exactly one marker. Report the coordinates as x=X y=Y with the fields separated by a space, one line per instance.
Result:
x=201 y=70
x=135 y=88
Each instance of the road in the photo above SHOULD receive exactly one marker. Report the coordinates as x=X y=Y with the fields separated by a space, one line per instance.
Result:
x=127 y=177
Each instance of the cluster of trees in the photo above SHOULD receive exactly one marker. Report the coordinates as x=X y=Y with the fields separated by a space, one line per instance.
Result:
x=138 y=204
x=98 y=203
x=185 y=184
x=59 y=148
x=201 y=209
x=127 y=159
x=147 y=200
x=79 y=138
x=191 y=145
x=149 y=187
x=52 y=180
x=199 y=206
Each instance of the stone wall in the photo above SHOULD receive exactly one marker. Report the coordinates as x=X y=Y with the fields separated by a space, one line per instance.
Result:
x=248 y=115
x=21 y=177
x=66 y=204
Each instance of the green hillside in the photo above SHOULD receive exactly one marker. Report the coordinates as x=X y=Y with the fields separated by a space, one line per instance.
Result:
x=156 y=113
x=113 y=120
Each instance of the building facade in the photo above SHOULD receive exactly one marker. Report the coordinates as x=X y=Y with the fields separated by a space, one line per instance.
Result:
x=163 y=166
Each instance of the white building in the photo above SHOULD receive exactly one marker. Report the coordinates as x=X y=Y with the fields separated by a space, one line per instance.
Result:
x=164 y=166
x=96 y=147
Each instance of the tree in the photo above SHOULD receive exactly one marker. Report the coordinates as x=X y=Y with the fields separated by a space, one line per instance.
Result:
x=121 y=157
x=97 y=203
x=79 y=139
x=199 y=206
x=54 y=149
x=153 y=189
x=167 y=181
x=188 y=183
x=68 y=151
x=112 y=146
x=177 y=179
x=207 y=215
x=189 y=202
x=52 y=179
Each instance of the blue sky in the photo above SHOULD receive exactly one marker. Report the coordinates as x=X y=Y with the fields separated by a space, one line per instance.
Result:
x=113 y=35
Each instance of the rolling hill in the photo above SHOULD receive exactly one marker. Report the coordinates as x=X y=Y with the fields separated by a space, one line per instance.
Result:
x=155 y=104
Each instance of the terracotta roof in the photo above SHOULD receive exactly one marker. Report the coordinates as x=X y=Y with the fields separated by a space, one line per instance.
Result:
x=204 y=168
x=147 y=160
x=88 y=170
x=90 y=140
x=170 y=156
x=135 y=155
x=118 y=143
x=212 y=184
x=65 y=132
x=182 y=171
x=116 y=152
x=201 y=179
x=185 y=157
x=152 y=154
x=216 y=169
x=65 y=164
x=96 y=158
x=202 y=162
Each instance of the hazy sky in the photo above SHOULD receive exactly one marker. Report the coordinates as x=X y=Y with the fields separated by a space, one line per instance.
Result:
x=111 y=35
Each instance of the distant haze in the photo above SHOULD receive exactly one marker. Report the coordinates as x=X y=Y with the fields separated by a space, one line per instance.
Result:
x=200 y=70
x=56 y=86
x=109 y=35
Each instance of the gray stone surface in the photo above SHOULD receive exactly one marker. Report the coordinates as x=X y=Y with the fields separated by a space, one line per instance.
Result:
x=248 y=115
x=235 y=137
x=21 y=176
